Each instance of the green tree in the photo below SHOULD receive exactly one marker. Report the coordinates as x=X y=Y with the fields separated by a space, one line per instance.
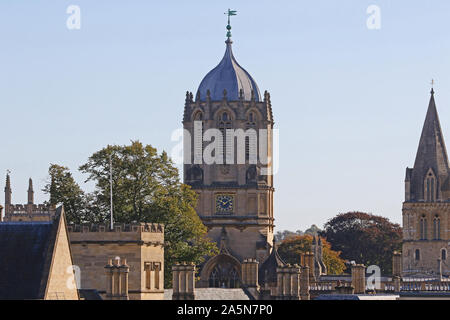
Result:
x=146 y=188
x=63 y=189
x=364 y=238
x=291 y=249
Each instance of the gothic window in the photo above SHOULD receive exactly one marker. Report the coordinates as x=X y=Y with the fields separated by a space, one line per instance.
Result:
x=430 y=186
x=224 y=124
x=224 y=275
x=417 y=254
x=423 y=228
x=214 y=278
x=198 y=137
x=250 y=146
x=443 y=254
x=436 y=228
x=234 y=279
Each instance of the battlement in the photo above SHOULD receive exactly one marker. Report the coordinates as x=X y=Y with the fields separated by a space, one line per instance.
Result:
x=29 y=212
x=29 y=209
x=135 y=233
x=134 y=227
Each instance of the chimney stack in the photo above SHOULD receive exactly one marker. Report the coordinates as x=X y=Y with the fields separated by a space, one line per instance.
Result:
x=183 y=276
x=117 y=279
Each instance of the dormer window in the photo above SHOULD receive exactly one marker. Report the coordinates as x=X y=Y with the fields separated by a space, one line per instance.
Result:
x=430 y=186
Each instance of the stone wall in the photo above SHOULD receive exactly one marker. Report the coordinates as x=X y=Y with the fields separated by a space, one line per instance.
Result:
x=140 y=244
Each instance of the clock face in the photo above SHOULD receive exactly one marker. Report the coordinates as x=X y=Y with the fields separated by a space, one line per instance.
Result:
x=224 y=203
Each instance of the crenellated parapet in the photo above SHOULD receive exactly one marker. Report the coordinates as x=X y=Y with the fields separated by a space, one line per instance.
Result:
x=136 y=233
x=29 y=212
x=118 y=227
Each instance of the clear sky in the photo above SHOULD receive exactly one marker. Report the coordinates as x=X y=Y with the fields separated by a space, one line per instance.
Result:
x=349 y=101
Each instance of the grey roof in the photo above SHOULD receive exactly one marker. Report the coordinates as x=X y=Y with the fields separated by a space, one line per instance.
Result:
x=26 y=252
x=23 y=252
x=268 y=270
x=431 y=153
x=213 y=294
x=229 y=76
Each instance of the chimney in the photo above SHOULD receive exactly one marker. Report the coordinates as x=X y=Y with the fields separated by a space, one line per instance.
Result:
x=250 y=276
x=359 y=278
x=309 y=261
x=304 y=283
x=183 y=282
x=117 y=279
x=397 y=264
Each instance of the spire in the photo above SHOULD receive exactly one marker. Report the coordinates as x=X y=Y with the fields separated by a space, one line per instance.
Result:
x=431 y=153
x=30 y=192
x=8 y=190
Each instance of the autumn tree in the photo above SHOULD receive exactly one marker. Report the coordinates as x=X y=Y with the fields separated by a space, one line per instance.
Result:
x=364 y=238
x=291 y=249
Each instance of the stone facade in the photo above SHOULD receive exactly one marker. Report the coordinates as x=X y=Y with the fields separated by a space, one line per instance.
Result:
x=140 y=244
x=61 y=281
x=426 y=210
x=235 y=192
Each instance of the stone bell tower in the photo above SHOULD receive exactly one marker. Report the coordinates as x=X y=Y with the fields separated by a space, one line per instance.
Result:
x=426 y=210
x=228 y=162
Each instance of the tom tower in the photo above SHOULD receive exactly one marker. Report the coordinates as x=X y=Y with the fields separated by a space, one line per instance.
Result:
x=228 y=162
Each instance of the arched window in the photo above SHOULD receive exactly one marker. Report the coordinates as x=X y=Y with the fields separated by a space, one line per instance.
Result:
x=250 y=146
x=423 y=228
x=417 y=255
x=234 y=279
x=443 y=254
x=436 y=228
x=199 y=144
x=224 y=124
x=214 y=281
x=430 y=186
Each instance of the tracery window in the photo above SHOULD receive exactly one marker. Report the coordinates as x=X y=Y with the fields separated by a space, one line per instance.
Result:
x=423 y=228
x=430 y=186
x=436 y=228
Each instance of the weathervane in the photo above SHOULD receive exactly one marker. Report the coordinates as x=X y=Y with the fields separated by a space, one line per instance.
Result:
x=230 y=13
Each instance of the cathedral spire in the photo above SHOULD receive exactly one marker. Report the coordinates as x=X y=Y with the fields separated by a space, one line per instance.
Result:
x=431 y=158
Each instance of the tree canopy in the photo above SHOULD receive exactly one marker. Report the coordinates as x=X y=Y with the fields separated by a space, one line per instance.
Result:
x=291 y=249
x=146 y=188
x=364 y=238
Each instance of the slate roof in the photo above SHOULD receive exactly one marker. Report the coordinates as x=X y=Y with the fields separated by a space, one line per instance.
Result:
x=26 y=250
x=268 y=270
x=213 y=294
x=229 y=76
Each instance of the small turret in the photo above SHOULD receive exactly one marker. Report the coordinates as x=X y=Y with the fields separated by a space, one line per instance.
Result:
x=8 y=191
x=30 y=192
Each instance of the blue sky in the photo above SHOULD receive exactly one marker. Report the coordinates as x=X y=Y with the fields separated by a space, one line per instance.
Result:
x=349 y=102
